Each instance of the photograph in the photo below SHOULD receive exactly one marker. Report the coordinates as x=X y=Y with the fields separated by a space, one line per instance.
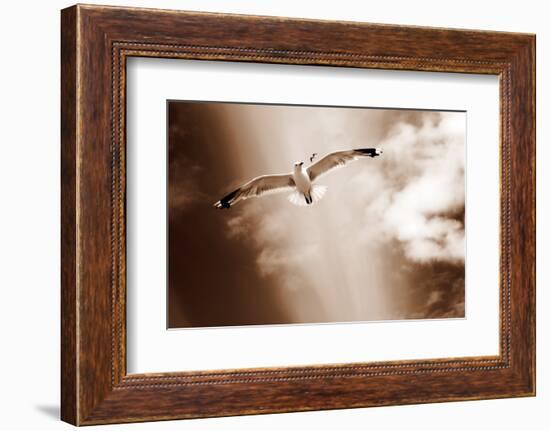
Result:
x=300 y=214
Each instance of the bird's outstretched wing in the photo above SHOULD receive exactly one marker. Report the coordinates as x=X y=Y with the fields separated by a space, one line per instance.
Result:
x=338 y=159
x=257 y=187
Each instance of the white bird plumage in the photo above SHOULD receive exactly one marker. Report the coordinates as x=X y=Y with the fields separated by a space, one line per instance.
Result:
x=300 y=181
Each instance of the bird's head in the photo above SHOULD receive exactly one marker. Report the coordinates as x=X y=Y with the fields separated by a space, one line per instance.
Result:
x=298 y=164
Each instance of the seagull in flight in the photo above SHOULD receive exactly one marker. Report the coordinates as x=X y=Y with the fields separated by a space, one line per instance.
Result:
x=301 y=181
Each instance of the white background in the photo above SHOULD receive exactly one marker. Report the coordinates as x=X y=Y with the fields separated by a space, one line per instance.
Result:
x=152 y=349
x=29 y=216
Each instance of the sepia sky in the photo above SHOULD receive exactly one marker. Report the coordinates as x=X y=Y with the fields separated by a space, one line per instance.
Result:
x=385 y=242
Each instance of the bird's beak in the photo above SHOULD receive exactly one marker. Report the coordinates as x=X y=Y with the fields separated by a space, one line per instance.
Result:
x=301 y=163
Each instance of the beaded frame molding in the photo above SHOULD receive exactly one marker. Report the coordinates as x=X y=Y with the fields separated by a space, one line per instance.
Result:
x=95 y=43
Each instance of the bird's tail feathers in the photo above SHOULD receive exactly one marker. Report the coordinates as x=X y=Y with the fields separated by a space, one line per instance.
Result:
x=298 y=199
x=317 y=192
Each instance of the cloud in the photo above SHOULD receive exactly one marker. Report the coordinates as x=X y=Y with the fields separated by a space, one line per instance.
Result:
x=281 y=251
x=446 y=299
x=183 y=185
x=420 y=199
x=273 y=260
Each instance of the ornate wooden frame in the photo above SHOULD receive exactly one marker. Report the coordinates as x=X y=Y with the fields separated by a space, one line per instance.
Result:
x=95 y=43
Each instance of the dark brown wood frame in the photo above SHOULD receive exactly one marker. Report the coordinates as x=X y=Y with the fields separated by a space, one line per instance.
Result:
x=95 y=43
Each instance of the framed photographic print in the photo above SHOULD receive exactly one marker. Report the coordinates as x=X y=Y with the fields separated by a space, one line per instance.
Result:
x=264 y=214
